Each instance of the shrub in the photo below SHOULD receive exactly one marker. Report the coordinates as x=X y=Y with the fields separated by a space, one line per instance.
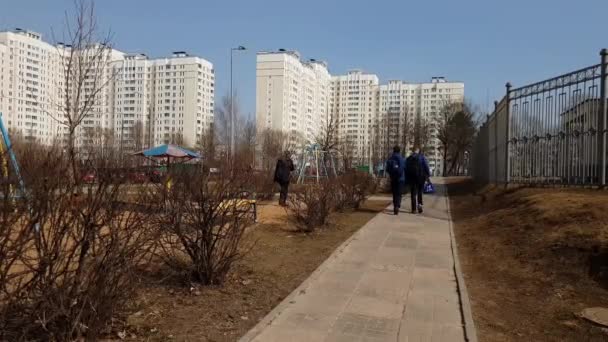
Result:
x=352 y=189
x=264 y=186
x=311 y=205
x=204 y=223
x=67 y=262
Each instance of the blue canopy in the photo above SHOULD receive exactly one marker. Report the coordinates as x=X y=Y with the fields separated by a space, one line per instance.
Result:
x=168 y=150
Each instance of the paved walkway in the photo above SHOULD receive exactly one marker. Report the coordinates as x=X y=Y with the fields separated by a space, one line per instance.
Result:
x=394 y=280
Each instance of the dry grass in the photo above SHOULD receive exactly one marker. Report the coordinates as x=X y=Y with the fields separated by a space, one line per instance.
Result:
x=533 y=259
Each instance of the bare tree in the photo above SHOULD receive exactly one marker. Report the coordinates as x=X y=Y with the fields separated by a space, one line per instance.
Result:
x=422 y=133
x=85 y=54
x=247 y=140
x=137 y=136
x=329 y=138
x=273 y=144
x=405 y=128
x=222 y=118
x=346 y=148
x=206 y=144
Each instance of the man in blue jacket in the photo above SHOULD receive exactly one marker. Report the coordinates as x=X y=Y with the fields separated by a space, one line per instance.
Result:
x=417 y=172
x=395 y=166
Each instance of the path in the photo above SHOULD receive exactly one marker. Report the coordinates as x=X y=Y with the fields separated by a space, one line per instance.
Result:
x=394 y=280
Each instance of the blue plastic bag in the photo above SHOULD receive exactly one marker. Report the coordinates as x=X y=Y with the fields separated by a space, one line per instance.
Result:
x=429 y=188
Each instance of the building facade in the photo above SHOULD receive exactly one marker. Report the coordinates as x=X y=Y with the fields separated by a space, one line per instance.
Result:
x=162 y=100
x=143 y=102
x=292 y=96
x=353 y=107
x=408 y=113
x=30 y=73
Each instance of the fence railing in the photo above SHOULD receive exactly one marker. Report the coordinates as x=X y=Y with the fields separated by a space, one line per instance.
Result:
x=549 y=132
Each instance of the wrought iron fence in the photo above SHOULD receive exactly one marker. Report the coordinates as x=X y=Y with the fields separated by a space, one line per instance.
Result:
x=550 y=132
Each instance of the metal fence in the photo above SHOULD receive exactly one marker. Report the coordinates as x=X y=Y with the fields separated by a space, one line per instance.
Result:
x=549 y=132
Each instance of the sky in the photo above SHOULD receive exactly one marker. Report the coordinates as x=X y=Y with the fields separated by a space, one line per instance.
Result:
x=483 y=43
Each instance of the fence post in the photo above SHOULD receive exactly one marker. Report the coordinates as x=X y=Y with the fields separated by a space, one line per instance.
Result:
x=602 y=130
x=508 y=133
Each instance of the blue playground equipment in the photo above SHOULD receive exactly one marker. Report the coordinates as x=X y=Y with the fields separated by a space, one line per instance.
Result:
x=315 y=164
x=13 y=159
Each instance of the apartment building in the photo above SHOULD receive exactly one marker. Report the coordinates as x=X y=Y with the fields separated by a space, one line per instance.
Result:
x=403 y=106
x=162 y=100
x=144 y=101
x=353 y=107
x=30 y=70
x=292 y=95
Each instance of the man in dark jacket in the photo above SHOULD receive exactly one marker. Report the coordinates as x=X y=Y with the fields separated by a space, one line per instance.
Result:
x=417 y=172
x=394 y=167
x=282 y=175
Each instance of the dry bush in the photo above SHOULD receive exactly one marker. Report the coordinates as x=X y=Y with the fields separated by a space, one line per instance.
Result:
x=264 y=186
x=311 y=205
x=71 y=252
x=352 y=189
x=203 y=223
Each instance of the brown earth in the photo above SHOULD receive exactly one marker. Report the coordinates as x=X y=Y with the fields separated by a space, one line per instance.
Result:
x=532 y=260
x=279 y=262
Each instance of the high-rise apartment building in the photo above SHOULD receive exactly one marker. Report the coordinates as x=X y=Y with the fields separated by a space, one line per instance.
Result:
x=292 y=96
x=143 y=101
x=162 y=100
x=353 y=107
x=30 y=76
x=300 y=98
x=410 y=111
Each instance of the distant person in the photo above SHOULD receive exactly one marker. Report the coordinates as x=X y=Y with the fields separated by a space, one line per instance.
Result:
x=417 y=172
x=394 y=167
x=282 y=175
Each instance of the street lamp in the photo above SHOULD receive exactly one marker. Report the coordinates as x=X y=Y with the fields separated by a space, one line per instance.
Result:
x=232 y=121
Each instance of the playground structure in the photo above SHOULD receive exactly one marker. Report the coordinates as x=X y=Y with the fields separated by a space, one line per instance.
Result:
x=6 y=144
x=316 y=164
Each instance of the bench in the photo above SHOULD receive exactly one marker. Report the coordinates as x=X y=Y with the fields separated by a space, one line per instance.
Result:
x=243 y=202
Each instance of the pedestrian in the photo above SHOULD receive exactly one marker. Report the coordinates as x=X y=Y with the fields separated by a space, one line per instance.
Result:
x=395 y=166
x=417 y=172
x=282 y=175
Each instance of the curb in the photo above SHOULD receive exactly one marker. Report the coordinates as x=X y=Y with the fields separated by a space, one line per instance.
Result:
x=465 y=305
x=300 y=290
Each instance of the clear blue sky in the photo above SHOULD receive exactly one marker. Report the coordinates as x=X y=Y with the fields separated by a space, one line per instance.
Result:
x=483 y=43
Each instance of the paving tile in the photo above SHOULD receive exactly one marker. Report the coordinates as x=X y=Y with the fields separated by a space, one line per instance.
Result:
x=434 y=259
x=282 y=334
x=312 y=320
x=358 y=327
x=377 y=307
x=415 y=331
x=394 y=256
x=447 y=333
x=388 y=285
x=401 y=240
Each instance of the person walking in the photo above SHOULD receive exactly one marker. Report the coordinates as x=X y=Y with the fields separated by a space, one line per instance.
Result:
x=282 y=175
x=417 y=172
x=394 y=167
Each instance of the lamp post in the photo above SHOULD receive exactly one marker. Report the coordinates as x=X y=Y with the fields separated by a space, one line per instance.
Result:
x=232 y=121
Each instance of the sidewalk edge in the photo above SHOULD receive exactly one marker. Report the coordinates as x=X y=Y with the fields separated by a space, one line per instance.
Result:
x=465 y=304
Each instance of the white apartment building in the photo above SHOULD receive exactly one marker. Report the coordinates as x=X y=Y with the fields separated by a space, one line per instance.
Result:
x=162 y=100
x=402 y=103
x=291 y=95
x=30 y=71
x=353 y=105
x=145 y=101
